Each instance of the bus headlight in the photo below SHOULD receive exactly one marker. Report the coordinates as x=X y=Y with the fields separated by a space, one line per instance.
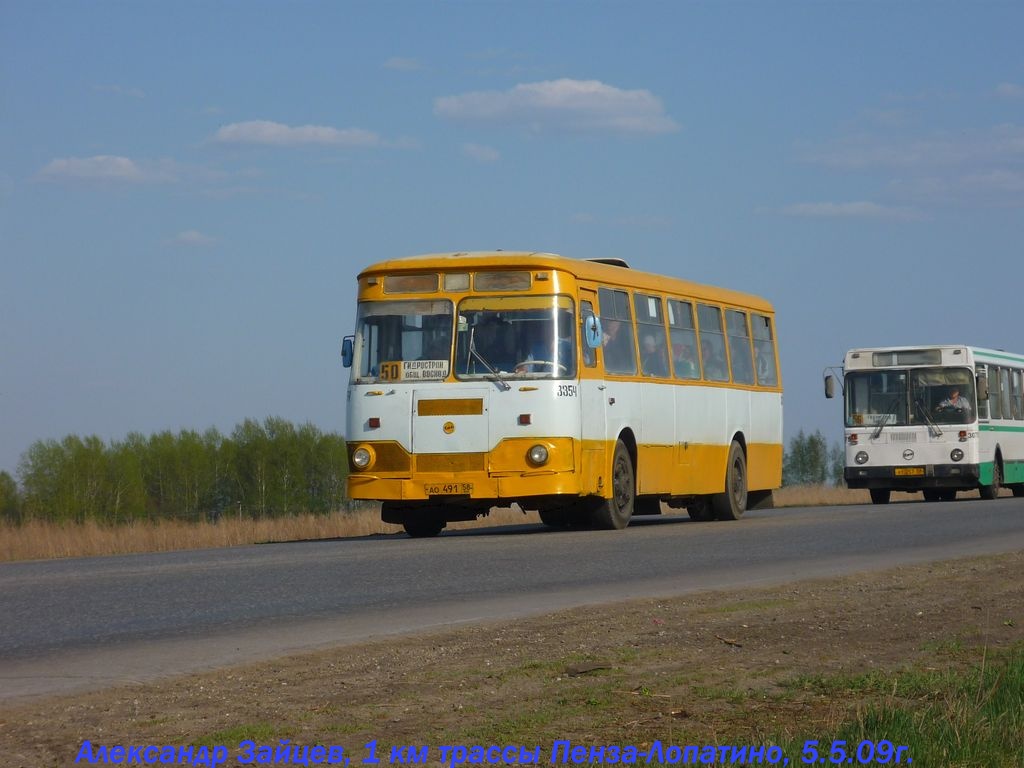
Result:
x=362 y=457
x=538 y=455
x=861 y=457
x=956 y=454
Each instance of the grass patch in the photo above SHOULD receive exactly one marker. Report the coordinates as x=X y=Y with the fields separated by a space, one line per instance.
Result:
x=951 y=718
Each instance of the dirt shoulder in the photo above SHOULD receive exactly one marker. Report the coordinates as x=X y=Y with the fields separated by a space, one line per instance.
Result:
x=715 y=668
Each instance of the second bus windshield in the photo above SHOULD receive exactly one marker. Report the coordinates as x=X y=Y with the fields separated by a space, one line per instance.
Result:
x=910 y=396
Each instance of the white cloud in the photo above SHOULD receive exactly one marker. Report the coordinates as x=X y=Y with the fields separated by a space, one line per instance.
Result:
x=192 y=238
x=96 y=168
x=400 y=64
x=1010 y=90
x=281 y=135
x=852 y=210
x=481 y=153
x=567 y=105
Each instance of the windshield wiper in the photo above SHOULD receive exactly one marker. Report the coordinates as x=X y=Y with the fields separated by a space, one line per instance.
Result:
x=495 y=376
x=933 y=428
x=885 y=418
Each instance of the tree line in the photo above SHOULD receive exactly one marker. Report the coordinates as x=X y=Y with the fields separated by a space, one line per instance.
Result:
x=260 y=470
x=266 y=469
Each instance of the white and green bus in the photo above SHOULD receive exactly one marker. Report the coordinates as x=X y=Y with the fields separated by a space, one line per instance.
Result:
x=936 y=419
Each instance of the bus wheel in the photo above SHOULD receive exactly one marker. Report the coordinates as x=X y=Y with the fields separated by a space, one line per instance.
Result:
x=880 y=495
x=614 y=513
x=700 y=510
x=992 y=491
x=948 y=494
x=932 y=495
x=423 y=527
x=733 y=503
x=1018 y=490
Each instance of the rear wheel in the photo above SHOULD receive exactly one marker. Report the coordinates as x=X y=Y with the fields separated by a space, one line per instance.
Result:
x=948 y=494
x=932 y=495
x=731 y=504
x=614 y=513
x=1018 y=490
x=880 y=495
x=992 y=491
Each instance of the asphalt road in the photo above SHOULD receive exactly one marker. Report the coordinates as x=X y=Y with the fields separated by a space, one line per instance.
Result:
x=72 y=625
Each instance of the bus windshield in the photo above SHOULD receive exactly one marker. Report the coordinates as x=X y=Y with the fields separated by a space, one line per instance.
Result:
x=398 y=340
x=524 y=337
x=910 y=397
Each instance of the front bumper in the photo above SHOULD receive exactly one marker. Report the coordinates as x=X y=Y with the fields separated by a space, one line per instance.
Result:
x=959 y=476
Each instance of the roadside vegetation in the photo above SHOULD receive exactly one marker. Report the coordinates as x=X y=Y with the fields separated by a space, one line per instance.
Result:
x=265 y=482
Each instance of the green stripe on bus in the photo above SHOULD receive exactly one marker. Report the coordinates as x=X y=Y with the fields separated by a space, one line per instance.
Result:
x=979 y=357
x=999 y=428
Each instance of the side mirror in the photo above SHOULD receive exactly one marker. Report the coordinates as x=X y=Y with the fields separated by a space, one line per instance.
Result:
x=592 y=334
x=830 y=387
x=347 y=351
x=982 y=386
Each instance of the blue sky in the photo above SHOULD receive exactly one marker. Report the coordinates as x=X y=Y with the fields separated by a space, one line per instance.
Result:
x=188 y=190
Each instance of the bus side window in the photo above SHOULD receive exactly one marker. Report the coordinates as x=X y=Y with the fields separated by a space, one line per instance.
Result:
x=712 y=343
x=739 y=347
x=650 y=324
x=764 y=351
x=683 y=338
x=619 y=351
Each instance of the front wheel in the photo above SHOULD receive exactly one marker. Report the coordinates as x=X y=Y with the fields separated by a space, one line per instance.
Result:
x=731 y=504
x=992 y=491
x=614 y=513
x=880 y=495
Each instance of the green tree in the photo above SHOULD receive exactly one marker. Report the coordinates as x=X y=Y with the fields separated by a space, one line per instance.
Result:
x=10 y=499
x=811 y=461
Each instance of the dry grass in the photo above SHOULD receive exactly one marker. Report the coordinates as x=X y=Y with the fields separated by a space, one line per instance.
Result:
x=42 y=540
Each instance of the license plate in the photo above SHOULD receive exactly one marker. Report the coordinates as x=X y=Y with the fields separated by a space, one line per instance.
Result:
x=448 y=489
x=909 y=471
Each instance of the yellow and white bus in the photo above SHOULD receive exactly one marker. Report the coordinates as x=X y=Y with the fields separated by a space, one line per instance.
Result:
x=579 y=388
x=936 y=419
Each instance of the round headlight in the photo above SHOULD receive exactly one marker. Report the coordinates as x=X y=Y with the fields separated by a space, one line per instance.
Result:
x=956 y=454
x=538 y=455
x=361 y=458
x=861 y=457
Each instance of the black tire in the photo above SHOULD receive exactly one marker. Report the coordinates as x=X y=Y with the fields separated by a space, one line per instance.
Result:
x=880 y=495
x=932 y=494
x=1018 y=490
x=948 y=494
x=701 y=511
x=423 y=527
x=614 y=513
x=732 y=503
x=992 y=491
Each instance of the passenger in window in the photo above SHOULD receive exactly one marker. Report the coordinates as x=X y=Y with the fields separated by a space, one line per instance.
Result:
x=686 y=363
x=956 y=401
x=714 y=362
x=653 y=361
x=618 y=348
